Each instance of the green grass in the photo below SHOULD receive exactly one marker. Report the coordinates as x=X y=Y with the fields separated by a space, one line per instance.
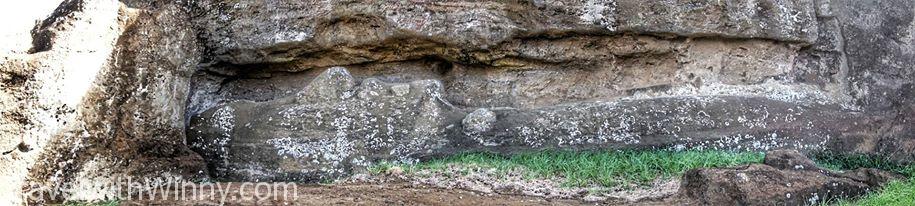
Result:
x=854 y=161
x=605 y=168
x=894 y=193
x=624 y=167
x=612 y=168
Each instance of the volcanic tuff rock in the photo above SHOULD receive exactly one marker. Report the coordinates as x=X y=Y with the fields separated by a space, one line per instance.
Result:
x=113 y=89
x=335 y=126
x=521 y=75
x=252 y=31
x=99 y=96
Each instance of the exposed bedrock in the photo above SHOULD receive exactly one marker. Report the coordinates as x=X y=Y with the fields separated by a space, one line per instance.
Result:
x=544 y=71
x=111 y=89
x=311 y=90
x=251 y=31
x=336 y=125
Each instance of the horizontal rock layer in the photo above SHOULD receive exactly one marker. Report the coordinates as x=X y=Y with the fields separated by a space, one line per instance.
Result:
x=107 y=86
x=427 y=79
x=251 y=31
x=336 y=125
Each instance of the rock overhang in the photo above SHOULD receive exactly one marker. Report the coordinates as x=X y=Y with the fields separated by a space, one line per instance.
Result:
x=251 y=31
x=497 y=76
x=732 y=75
x=507 y=75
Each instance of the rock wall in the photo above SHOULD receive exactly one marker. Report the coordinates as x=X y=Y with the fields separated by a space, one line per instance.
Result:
x=44 y=88
x=528 y=75
x=99 y=97
x=320 y=89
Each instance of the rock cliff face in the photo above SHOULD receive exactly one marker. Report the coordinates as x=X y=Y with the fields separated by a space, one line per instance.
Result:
x=99 y=96
x=528 y=75
x=305 y=90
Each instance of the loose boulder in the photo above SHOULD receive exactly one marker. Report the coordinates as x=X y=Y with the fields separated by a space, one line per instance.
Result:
x=786 y=178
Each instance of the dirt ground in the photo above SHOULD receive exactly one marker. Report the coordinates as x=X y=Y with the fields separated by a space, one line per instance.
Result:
x=451 y=186
x=353 y=194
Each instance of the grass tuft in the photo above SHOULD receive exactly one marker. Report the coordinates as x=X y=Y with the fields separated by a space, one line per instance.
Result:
x=894 y=193
x=900 y=192
x=586 y=168
x=854 y=161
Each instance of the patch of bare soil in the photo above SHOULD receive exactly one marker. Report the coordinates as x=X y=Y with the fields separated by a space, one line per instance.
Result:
x=520 y=182
x=453 y=185
x=402 y=193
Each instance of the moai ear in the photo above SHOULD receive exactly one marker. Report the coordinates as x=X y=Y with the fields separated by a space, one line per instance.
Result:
x=478 y=121
x=430 y=88
x=372 y=87
x=334 y=85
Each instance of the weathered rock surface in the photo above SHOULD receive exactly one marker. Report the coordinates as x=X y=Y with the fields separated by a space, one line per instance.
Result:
x=116 y=89
x=533 y=73
x=332 y=127
x=880 y=47
x=252 y=31
x=335 y=126
x=789 y=160
x=786 y=178
x=518 y=76
x=479 y=121
x=42 y=92
x=99 y=96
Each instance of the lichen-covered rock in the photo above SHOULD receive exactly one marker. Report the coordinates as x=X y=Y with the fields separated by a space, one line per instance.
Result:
x=99 y=96
x=764 y=184
x=478 y=121
x=333 y=127
x=880 y=50
x=111 y=89
x=789 y=160
x=288 y=29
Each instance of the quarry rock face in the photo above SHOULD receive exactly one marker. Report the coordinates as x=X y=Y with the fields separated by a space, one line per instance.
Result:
x=98 y=96
x=519 y=76
x=333 y=126
x=308 y=90
x=373 y=121
x=287 y=29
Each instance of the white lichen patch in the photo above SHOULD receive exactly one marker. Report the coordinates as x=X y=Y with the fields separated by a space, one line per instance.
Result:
x=754 y=142
x=332 y=151
x=794 y=93
x=599 y=12
x=224 y=120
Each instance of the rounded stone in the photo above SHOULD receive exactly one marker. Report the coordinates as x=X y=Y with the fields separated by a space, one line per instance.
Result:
x=479 y=121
